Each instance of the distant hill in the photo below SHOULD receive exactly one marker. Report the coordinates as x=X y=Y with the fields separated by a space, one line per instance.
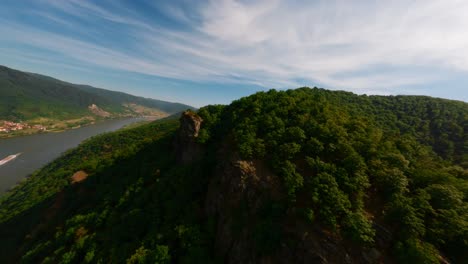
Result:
x=297 y=176
x=27 y=96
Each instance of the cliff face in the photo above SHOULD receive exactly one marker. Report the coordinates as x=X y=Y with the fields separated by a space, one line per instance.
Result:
x=246 y=200
x=243 y=196
x=238 y=191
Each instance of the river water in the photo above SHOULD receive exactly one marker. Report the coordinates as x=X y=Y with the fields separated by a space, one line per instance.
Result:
x=40 y=149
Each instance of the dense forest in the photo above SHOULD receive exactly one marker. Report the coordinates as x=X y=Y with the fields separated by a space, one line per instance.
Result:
x=28 y=96
x=297 y=176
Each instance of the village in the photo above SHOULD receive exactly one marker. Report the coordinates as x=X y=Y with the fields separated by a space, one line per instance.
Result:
x=8 y=127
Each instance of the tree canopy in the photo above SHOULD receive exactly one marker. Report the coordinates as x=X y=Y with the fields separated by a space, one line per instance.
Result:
x=349 y=165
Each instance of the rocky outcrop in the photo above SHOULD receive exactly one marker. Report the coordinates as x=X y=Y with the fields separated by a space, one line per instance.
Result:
x=190 y=124
x=187 y=149
x=240 y=191
x=98 y=111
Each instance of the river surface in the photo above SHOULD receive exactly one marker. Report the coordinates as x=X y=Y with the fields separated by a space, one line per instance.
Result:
x=40 y=149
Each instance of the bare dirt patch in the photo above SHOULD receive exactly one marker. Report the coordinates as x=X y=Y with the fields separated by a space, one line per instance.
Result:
x=79 y=176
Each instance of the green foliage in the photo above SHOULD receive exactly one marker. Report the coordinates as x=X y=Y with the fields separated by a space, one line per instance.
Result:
x=416 y=251
x=358 y=228
x=211 y=116
x=292 y=180
x=332 y=147
x=343 y=163
x=332 y=203
x=115 y=214
x=158 y=256
x=92 y=156
x=444 y=196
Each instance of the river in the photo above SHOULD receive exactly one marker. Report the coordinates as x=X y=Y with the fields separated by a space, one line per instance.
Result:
x=39 y=149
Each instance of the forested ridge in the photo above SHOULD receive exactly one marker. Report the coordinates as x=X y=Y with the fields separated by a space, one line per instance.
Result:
x=297 y=176
x=27 y=96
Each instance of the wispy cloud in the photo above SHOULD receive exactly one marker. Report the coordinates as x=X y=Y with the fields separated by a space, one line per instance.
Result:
x=321 y=40
x=270 y=43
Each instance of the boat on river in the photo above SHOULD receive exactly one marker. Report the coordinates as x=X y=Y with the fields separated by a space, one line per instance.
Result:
x=9 y=158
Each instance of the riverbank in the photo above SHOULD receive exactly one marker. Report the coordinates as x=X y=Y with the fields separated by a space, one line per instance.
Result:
x=47 y=125
x=39 y=149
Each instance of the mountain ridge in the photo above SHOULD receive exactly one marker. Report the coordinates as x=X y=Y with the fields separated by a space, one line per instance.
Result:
x=305 y=175
x=30 y=95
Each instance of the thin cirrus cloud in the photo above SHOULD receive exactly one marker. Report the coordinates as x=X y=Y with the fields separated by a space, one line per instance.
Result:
x=374 y=47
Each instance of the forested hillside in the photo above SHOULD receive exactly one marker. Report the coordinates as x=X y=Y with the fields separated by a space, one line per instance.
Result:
x=297 y=176
x=27 y=96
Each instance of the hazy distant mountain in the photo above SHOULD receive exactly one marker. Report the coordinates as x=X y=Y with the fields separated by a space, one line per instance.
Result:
x=26 y=96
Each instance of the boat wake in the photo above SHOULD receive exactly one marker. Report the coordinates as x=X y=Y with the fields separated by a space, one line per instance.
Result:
x=9 y=158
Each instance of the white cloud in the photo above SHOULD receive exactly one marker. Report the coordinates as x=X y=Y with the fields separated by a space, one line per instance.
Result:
x=276 y=43
x=318 y=41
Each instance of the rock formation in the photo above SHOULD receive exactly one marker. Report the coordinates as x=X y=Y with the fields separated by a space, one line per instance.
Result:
x=98 y=111
x=187 y=149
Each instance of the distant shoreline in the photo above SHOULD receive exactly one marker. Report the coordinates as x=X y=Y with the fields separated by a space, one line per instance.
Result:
x=22 y=133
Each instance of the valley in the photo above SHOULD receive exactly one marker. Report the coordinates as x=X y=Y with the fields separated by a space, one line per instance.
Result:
x=233 y=131
x=32 y=103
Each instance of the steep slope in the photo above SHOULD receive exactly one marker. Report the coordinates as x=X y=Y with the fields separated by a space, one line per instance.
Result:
x=123 y=99
x=299 y=176
x=25 y=96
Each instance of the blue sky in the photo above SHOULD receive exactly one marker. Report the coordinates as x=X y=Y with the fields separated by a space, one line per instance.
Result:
x=205 y=52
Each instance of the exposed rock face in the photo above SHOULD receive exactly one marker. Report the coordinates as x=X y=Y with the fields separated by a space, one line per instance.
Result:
x=98 y=111
x=186 y=148
x=239 y=192
x=190 y=124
